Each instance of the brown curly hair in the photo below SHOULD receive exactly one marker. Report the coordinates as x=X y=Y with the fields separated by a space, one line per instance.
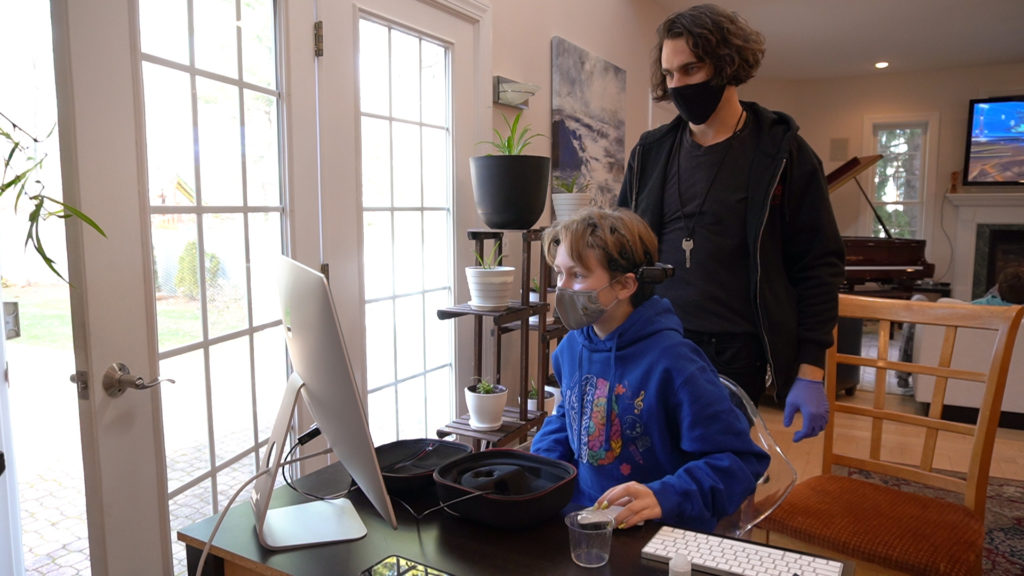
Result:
x=715 y=35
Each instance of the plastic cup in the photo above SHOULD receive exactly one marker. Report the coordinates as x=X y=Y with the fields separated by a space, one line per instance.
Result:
x=590 y=537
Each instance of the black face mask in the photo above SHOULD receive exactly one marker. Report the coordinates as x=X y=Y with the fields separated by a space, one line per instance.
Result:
x=697 y=102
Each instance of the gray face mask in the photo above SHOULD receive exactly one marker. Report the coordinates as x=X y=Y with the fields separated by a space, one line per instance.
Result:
x=579 y=308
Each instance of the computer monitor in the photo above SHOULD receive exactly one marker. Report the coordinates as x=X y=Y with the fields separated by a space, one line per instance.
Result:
x=323 y=375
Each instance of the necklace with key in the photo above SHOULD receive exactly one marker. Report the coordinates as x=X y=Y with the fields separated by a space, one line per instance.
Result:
x=688 y=239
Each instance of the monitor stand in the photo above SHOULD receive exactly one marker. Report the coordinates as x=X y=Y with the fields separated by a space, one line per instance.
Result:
x=307 y=524
x=312 y=523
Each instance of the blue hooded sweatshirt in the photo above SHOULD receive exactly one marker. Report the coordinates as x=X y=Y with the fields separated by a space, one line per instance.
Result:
x=644 y=404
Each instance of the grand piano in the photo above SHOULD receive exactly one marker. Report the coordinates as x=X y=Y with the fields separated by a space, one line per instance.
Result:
x=894 y=264
x=886 y=267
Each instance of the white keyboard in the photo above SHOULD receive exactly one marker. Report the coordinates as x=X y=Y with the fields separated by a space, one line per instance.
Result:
x=729 y=557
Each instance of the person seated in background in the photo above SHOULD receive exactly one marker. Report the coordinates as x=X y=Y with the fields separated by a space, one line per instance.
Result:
x=643 y=416
x=1009 y=289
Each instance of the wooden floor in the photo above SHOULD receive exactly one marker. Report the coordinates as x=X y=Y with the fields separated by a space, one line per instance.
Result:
x=1007 y=460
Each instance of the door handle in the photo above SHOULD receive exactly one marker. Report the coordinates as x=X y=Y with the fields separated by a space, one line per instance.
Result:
x=118 y=378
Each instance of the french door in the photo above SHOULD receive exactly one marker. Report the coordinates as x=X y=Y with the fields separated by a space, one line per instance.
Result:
x=211 y=217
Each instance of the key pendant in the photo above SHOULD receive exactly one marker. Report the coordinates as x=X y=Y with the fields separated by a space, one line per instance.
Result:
x=687 y=246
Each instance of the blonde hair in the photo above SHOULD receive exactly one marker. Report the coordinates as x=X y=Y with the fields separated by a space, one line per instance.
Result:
x=619 y=240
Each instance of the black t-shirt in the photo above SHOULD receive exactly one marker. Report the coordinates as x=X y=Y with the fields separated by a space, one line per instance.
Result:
x=713 y=294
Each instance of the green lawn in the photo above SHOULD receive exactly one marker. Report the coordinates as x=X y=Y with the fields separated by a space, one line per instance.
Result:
x=45 y=314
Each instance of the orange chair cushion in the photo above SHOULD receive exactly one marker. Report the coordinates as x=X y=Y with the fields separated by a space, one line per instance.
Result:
x=902 y=530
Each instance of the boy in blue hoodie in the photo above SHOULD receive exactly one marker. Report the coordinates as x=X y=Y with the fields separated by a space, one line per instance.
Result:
x=643 y=416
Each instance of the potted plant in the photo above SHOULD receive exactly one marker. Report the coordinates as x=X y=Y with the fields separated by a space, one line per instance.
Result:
x=549 y=397
x=569 y=195
x=486 y=403
x=510 y=187
x=535 y=298
x=490 y=285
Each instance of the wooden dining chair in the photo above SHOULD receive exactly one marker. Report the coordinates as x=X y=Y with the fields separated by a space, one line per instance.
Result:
x=915 y=532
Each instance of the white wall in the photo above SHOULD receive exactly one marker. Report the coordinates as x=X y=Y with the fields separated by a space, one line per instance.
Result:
x=836 y=108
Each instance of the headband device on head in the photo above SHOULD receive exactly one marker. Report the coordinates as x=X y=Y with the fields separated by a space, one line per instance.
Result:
x=655 y=274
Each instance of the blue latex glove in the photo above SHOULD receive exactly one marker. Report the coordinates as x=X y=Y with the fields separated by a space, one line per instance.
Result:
x=808 y=398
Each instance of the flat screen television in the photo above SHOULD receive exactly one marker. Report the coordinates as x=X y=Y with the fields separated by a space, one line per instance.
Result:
x=995 y=142
x=322 y=376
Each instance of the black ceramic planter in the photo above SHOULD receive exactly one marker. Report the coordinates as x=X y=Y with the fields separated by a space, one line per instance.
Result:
x=510 y=191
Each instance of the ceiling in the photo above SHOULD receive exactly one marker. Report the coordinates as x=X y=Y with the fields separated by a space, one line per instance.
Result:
x=835 y=38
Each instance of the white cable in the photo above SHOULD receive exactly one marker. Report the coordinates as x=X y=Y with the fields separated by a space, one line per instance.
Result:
x=224 y=510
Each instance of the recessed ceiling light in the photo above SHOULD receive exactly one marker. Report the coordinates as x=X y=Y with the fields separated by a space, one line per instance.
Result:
x=881 y=65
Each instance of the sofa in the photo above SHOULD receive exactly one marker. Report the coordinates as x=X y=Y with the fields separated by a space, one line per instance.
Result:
x=973 y=347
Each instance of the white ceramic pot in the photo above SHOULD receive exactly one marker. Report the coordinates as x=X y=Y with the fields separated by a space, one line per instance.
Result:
x=549 y=401
x=490 y=288
x=485 y=409
x=567 y=205
x=534 y=298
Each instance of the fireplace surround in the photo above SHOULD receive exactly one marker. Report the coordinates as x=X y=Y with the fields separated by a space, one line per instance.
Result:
x=981 y=219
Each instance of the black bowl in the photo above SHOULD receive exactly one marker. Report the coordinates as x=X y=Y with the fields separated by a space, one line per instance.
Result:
x=409 y=465
x=514 y=489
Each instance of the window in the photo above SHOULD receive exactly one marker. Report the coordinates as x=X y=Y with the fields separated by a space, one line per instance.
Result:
x=900 y=178
x=209 y=77
x=406 y=185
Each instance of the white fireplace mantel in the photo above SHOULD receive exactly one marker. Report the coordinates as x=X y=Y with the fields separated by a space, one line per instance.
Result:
x=993 y=199
x=975 y=208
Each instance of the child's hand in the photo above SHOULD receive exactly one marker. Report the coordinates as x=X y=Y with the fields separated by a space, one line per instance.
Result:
x=637 y=501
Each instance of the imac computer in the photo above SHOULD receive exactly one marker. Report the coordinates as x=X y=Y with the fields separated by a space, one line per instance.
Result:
x=323 y=376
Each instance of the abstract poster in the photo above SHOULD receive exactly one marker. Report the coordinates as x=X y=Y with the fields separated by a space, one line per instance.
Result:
x=588 y=124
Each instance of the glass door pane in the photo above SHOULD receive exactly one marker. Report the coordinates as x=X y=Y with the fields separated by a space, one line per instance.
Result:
x=213 y=161
x=404 y=87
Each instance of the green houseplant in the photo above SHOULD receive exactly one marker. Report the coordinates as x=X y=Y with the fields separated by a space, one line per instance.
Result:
x=18 y=168
x=486 y=403
x=549 y=397
x=491 y=285
x=509 y=186
x=569 y=195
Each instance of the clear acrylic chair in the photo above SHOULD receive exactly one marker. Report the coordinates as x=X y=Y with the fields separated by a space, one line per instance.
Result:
x=777 y=481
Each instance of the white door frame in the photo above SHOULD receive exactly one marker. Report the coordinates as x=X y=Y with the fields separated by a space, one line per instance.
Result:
x=101 y=152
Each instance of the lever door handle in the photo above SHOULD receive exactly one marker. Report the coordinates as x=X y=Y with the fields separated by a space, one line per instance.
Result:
x=118 y=378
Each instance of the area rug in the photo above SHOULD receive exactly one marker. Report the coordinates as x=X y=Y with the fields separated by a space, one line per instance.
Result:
x=1004 y=518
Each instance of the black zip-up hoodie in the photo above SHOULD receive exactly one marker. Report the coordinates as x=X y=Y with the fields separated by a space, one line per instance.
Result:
x=797 y=257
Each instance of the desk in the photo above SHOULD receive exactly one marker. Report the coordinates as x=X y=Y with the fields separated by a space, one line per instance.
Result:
x=460 y=547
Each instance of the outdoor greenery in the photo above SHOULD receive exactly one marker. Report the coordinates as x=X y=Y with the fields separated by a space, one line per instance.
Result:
x=19 y=166
x=897 y=181
x=186 y=279
x=517 y=139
